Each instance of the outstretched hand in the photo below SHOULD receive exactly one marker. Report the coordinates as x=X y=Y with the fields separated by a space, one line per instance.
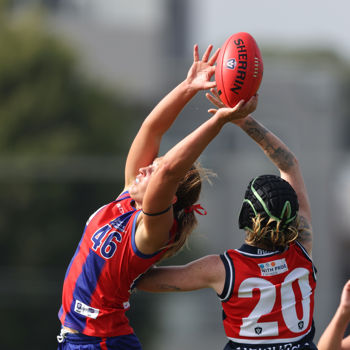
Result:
x=235 y=114
x=202 y=70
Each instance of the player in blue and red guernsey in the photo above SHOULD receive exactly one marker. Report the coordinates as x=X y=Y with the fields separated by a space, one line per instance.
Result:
x=150 y=220
x=267 y=286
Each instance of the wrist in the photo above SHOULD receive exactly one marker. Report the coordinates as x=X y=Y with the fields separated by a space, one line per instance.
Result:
x=219 y=120
x=242 y=122
x=344 y=312
x=189 y=88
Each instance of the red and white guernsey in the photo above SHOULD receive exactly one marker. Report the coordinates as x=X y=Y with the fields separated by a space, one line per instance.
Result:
x=99 y=278
x=268 y=297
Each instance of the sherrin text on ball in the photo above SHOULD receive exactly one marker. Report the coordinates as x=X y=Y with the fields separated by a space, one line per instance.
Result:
x=239 y=69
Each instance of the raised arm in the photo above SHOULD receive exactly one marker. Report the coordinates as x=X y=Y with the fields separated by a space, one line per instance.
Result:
x=145 y=146
x=162 y=186
x=286 y=162
x=332 y=337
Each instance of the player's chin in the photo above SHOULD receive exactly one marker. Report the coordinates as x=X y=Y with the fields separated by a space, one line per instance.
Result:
x=137 y=192
x=133 y=190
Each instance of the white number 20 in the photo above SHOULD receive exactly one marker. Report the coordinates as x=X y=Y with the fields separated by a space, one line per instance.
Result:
x=252 y=328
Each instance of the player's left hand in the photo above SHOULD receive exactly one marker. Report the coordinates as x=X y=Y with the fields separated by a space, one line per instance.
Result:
x=201 y=71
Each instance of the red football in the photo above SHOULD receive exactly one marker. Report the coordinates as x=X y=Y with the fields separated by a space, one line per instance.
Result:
x=239 y=69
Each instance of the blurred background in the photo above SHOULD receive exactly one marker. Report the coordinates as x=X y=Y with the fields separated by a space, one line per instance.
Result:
x=76 y=80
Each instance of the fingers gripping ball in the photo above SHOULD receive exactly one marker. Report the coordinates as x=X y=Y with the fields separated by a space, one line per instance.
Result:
x=239 y=69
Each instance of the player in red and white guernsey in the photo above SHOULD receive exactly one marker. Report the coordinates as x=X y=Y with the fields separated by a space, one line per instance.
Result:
x=150 y=220
x=267 y=286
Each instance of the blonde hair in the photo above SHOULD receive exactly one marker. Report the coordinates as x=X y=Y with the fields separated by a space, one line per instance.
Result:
x=274 y=235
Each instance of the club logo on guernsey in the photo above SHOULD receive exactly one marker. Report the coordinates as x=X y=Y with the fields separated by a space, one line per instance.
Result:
x=85 y=310
x=258 y=330
x=274 y=267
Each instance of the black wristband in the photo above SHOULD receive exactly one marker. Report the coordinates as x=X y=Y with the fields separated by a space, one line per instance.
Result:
x=159 y=213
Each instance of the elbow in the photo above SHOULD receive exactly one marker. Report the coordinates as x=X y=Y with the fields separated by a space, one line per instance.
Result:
x=289 y=163
x=294 y=162
x=168 y=171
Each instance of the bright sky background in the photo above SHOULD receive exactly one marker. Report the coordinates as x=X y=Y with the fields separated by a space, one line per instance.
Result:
x=304 y=23
x=300 y=23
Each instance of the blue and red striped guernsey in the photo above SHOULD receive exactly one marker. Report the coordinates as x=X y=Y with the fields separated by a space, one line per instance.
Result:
x=98 y=280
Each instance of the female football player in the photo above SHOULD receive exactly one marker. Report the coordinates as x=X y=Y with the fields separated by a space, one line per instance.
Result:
x=267 y=286
x=333 y=337
x=149 y=220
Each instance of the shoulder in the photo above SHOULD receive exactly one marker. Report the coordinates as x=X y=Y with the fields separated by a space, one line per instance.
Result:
x=211 y=260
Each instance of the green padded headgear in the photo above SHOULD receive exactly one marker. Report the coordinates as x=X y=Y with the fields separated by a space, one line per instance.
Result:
x=270 y=197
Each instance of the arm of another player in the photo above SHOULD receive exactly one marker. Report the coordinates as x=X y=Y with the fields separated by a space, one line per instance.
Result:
x=207 y=272
x=284 y=159
x=145 y=146
x=286 y=162
x=332 y=337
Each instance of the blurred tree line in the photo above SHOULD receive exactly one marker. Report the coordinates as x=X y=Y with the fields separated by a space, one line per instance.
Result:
x=63 y=140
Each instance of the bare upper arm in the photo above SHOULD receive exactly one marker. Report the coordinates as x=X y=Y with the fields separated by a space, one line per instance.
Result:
x=153 y=232
x=294 y=176
x=305 y=234
x=207 y=272
x=142 y=152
